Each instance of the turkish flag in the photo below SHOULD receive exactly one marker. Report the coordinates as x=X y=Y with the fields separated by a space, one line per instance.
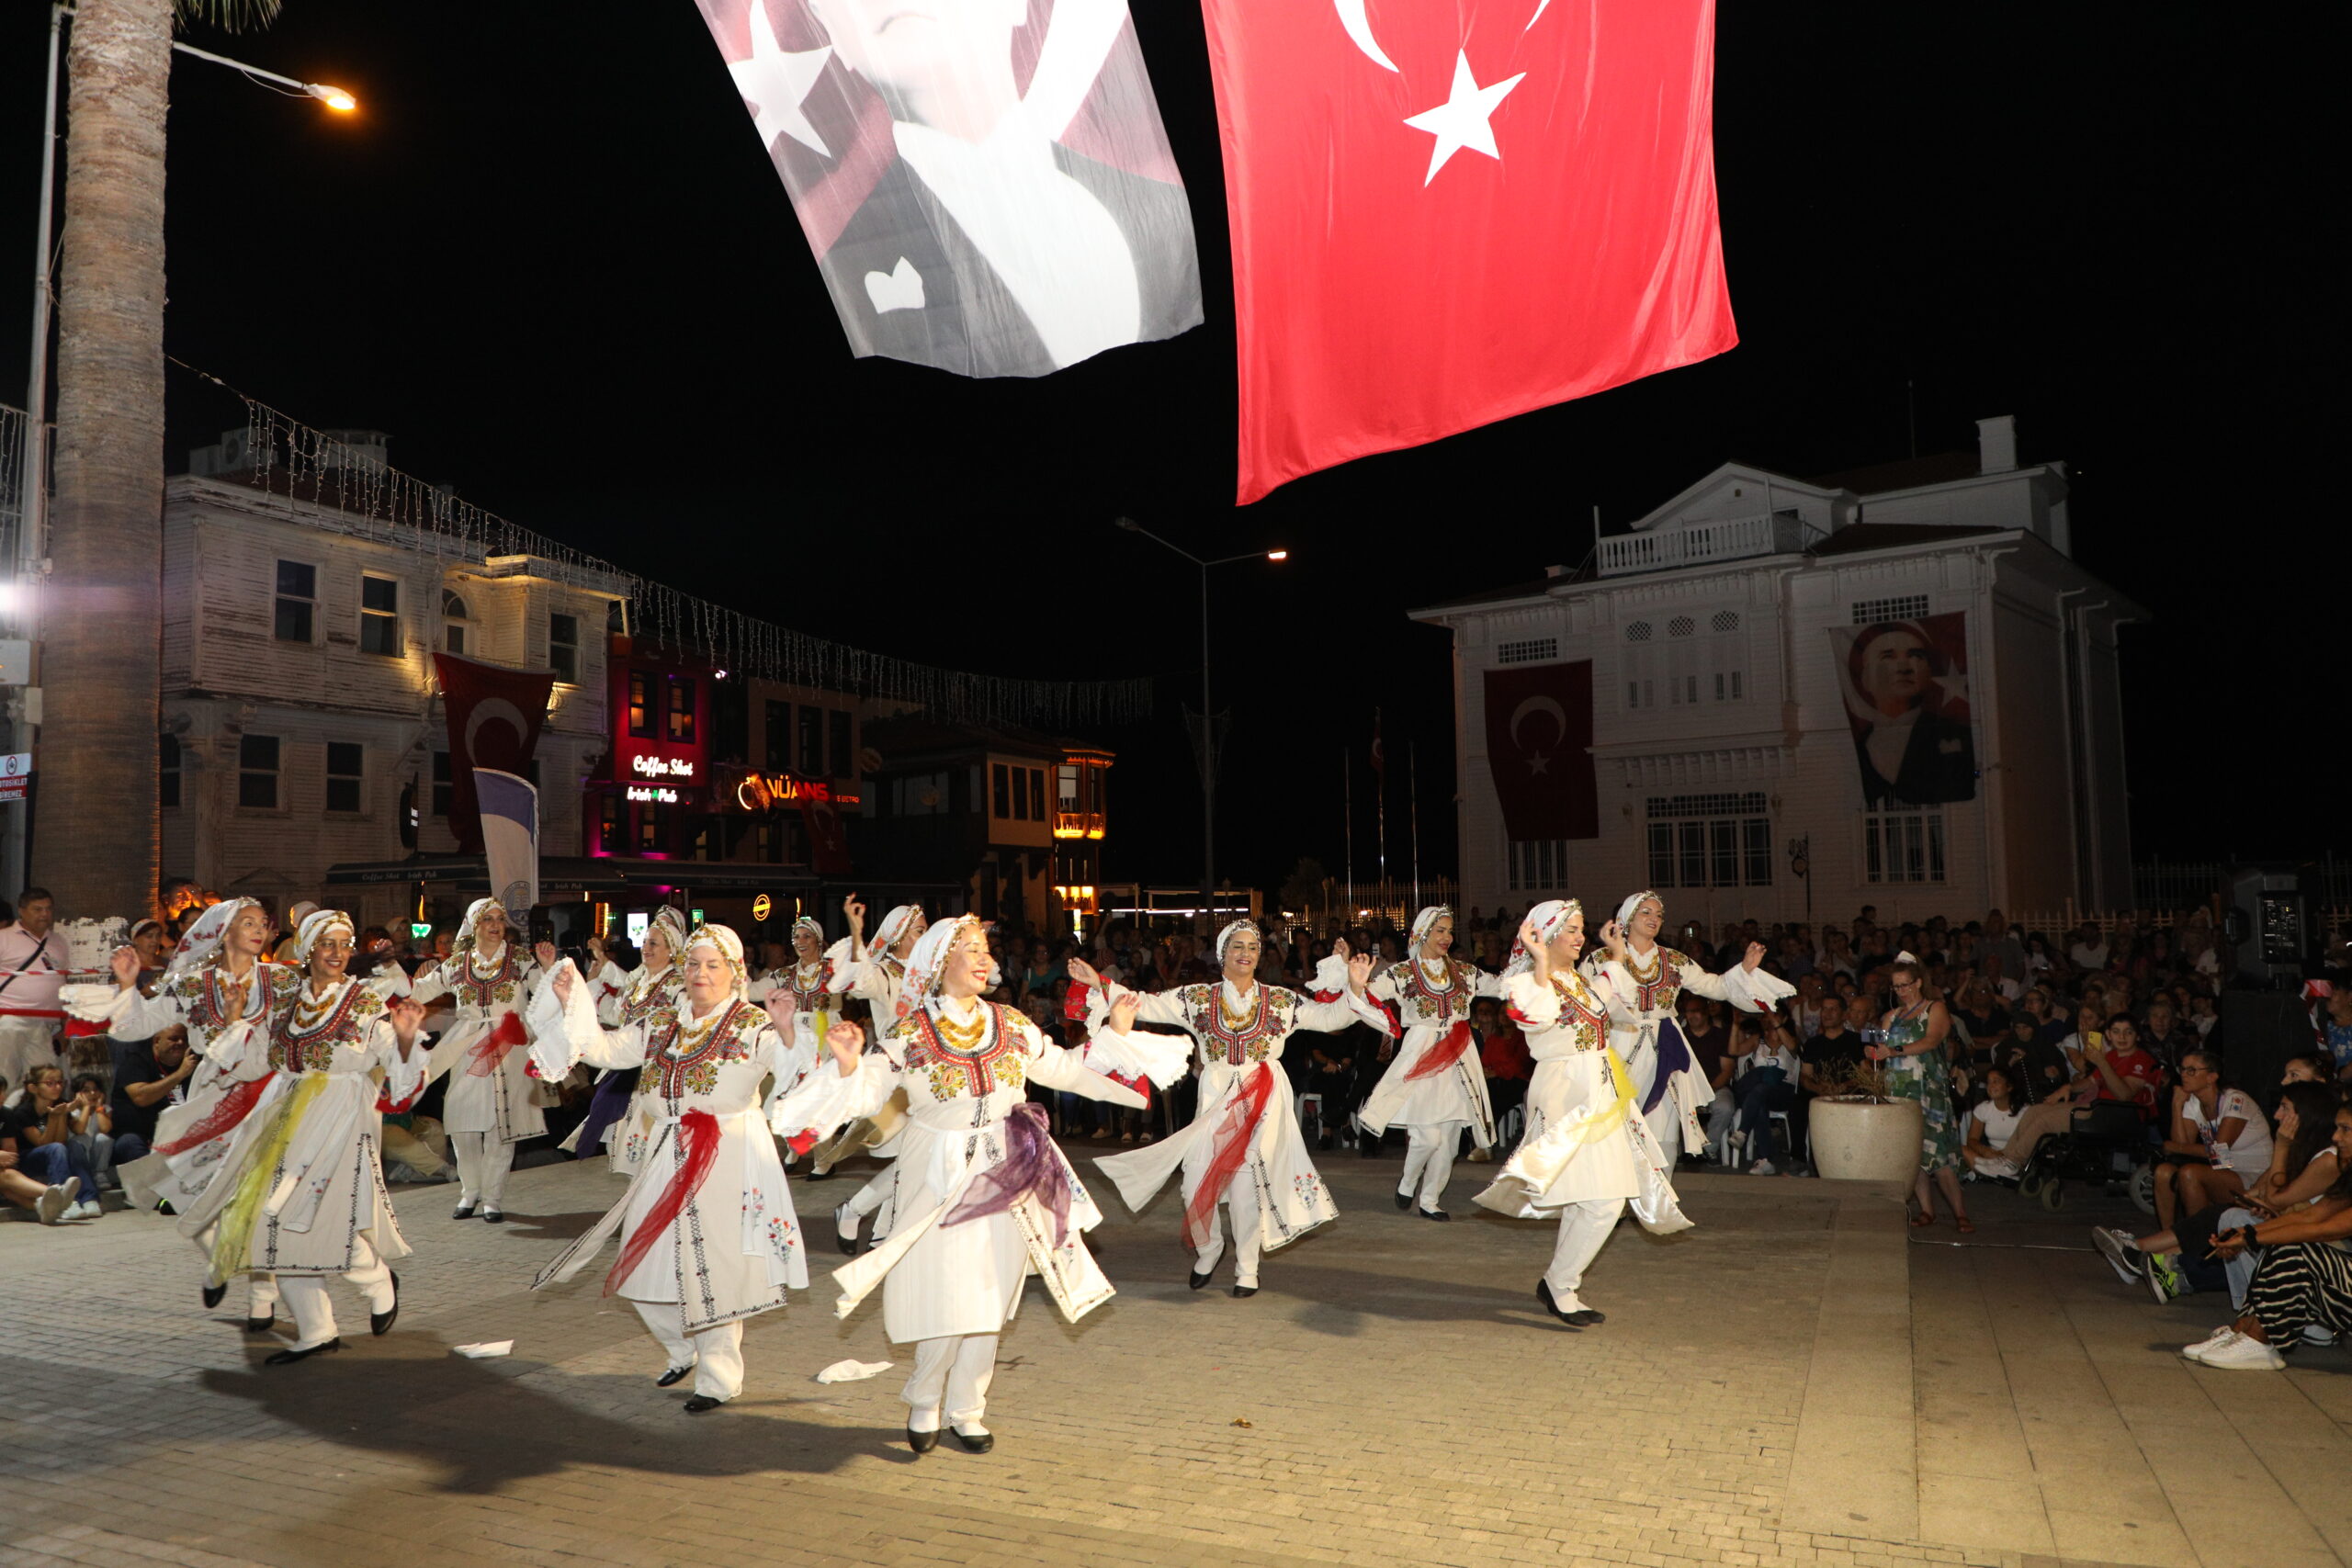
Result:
x=828 y=849
x=1445 y=215
x=1539 y=748
x=494 y=716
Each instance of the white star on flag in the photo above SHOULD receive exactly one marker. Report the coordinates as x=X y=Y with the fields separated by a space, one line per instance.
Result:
x=1461 y=121
x=774 y=82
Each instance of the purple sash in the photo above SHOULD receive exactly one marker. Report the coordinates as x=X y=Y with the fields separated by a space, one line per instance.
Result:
x=1673 y=1056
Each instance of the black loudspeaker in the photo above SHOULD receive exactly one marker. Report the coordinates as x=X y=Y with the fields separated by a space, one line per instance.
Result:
x=2259 y=1030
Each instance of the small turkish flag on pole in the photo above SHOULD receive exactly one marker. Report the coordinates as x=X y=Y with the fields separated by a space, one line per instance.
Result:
x=1445 y=215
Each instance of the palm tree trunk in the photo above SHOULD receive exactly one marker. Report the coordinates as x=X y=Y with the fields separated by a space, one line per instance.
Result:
x=102 y=616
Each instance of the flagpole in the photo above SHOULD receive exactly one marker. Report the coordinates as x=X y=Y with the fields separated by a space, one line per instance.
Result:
x=1348 y=820
x=1413 y=799
x=1380 y=804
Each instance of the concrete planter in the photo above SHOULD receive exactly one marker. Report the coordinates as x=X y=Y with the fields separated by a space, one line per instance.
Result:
x=1855 y=1140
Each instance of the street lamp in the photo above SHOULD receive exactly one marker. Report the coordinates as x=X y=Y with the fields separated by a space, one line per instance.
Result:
x=1209 y=730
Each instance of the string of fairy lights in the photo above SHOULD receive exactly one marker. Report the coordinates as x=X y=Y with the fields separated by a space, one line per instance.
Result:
x=319 y=467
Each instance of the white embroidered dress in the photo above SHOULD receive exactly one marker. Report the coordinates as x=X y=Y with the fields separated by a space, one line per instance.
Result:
x=1431 y=1006
x=1641 y=997
x=502 y=1100
x=218 y=1015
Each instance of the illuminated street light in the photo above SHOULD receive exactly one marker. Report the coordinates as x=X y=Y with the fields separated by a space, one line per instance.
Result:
x=335 y=98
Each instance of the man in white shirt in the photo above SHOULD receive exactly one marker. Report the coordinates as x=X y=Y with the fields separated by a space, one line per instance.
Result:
x=32 y=965
x=2089 y=952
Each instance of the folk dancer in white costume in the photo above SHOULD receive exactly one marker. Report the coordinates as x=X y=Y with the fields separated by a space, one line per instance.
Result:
x=1645 y=981
x=806 y=1001
x=709 y=1237
x=1242 y=1150
x=985 y=1199
x=614 y=1117
x=877 y=975
x=1588 y=1150
x=300 y=1194
x=1435 y=1087
x=491 y=1102
x=216 y=988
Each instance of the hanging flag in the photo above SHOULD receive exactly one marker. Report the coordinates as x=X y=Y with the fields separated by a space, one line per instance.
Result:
x=493 y=718
x=1446 y=215
x=510 y=833
x=986 y=183
x=1539 y=748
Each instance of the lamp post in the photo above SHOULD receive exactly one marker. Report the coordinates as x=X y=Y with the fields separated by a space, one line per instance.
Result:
x=32 y=528
x=1208 y=731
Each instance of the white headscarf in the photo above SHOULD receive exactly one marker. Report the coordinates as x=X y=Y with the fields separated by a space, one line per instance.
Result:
x=315 y=926
x=464 y=946
x=728 y=945
x=1634 y=901
x=1421 y=924
x=204 y=939
x=1230 y=931
x=808 y=922
x=1548 y=918
x=672 y=926
x=928 y=963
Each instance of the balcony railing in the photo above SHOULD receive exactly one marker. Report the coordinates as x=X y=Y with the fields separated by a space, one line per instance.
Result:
x=1078 y=824
x=1700 y=544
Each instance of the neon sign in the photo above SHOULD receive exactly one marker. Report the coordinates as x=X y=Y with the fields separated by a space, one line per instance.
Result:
x=658 y=795
x=651 y=767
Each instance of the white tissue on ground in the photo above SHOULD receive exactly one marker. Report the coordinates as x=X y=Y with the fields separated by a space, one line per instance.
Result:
x=487 y=1347
x=852 y=1371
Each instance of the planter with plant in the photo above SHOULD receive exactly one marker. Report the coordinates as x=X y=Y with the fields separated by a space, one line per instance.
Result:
x=1861 y=1132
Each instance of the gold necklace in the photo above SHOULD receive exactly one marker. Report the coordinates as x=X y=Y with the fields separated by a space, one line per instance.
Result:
x=1644 y=977
x=1236 y=1019
x=962 y=1038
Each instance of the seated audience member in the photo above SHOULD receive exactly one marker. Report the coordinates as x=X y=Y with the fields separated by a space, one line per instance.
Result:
x=2114 y=1095
x=1992 y=1122
x=2167 y=1036
x=90 y=1129
x=148 y=1075
x=2304 y=1167
x=2309 y=1068
x=2041 y=1071
x=2217 y=1143
x=1502 y=1054
x=1766 y=1069
x=2303 y=1283
x=36 y=1131
x=1834 y=1050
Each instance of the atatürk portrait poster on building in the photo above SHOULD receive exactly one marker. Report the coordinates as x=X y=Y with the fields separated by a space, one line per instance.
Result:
x=1906 y=688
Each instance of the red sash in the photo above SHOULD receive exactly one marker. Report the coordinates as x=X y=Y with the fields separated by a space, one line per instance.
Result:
x=1444 y=1054
x=490 y=1053
x=233 y=1107
x=698 y=1136
x=1235 y=1129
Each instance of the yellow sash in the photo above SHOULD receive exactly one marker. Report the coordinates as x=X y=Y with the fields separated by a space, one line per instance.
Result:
x=232 y=1236
x=1609 y=1120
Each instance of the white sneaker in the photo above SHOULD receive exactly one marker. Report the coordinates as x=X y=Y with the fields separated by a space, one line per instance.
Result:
x=2318 y=1334
x=1762 y=1167
x=87 y=1209
x=2116 y=1246
x=2212 y=1342
x=51 y=1205
x=2241 y=1354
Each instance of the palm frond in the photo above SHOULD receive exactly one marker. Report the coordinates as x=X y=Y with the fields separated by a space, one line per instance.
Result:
x=229 y=16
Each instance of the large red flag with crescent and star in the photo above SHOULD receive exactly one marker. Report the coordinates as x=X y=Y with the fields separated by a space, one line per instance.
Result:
x=1446 y=214
x=1539 y=747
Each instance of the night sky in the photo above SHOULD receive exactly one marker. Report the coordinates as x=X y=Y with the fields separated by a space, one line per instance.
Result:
x=551 y=259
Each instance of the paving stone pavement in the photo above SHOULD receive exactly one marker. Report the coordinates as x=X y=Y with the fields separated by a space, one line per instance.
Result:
x=1394 y=1395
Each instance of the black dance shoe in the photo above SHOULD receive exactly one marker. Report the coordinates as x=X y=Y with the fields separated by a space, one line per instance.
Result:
x=922 y=1442
x=494 y=1217
x=1243 y=1292
x=288 y=1357
x=701 y=1403
x=1197 y=1280
x=212 y=1294
x=462 y=1212
x=1437 y=1214
x=260 y=1325
x=1586 y=1317
x=1404 y=1202
x=672 y=1375
x=974 y=1442
x=380 y=1323
x=1544 y=1294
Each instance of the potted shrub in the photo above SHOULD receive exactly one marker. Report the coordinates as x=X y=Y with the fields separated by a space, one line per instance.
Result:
x=1862 y=1133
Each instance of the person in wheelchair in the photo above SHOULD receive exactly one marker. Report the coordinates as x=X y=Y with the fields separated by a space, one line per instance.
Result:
x=2108 y=1110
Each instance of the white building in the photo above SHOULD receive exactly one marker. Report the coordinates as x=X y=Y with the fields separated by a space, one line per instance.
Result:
x=301 y=725
x=1734 y=721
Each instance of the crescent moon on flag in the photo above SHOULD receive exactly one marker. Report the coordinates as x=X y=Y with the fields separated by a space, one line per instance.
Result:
x=1539 y=705
x=1359 y=28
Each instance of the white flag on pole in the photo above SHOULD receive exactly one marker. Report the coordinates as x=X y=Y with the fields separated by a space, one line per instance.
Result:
x=510 y=836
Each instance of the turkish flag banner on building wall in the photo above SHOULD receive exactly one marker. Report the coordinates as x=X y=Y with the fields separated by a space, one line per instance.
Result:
x=986 y=183
x=494 y=716
x=1445 y=215
x=1539 y=748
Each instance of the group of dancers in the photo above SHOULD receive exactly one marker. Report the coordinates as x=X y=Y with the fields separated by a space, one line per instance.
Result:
x=272 y=1167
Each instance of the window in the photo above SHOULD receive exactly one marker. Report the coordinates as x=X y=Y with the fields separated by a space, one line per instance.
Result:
x=257 y=772
x=776 y=737
x=441 y=784
x=812 y=741
x=1909 y=607
x=1904 y=846
x=1037 y=794
x=918 y=794
x=611 y=828
x=1003 y=781
x=1641 y=694
x=167 y=761
x=640 y=708
x=1536 y=864
x=650 y=820
x=380 y=616
x=1066 y=785
x=1710 y=840
x=1529 y=650
x=680 y=729
x=1724 y=621
x=1681 y=625
x=298 y=601
x=845 y=765
x=1638 y=632
x=731 y=721
x=346 y=767
x=564 y=648
x=454 y=616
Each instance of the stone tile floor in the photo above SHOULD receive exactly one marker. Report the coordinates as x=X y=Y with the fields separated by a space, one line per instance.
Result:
x=1794 y=1383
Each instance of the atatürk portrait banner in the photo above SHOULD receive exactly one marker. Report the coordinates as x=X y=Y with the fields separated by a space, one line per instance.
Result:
x=1539 y=748
x=1906 y=686
x=986 y=184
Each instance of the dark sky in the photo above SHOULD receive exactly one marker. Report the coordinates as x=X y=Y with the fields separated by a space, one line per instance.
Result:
x=551 y=259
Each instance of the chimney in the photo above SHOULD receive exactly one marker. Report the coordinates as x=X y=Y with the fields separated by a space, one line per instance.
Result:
x=1551 y=571
x=1996 y=445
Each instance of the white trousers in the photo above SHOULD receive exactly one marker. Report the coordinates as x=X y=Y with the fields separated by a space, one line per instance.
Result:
x=261 y=1294
x=950 y=1382
x=1249 y=1241
x=27 y=1043
x=1583 y=1229
x=313 y=1308
x=716 y=1354
x=483 y=1160
x=869 y=1197
x=1428 y=1162
x=1666 y=1127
